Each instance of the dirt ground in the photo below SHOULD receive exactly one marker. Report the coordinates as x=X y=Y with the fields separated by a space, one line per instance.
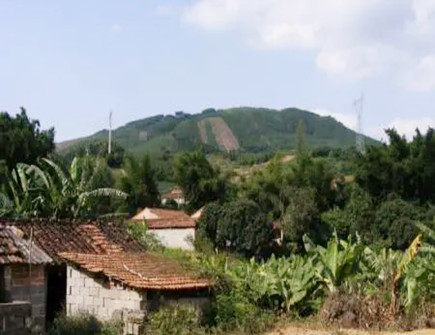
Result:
x=296 y=330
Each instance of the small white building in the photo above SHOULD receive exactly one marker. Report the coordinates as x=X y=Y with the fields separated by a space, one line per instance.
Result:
x=175 y=229
x=176 y=194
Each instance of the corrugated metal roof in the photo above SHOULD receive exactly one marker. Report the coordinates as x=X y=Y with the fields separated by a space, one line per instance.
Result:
x=15 y=249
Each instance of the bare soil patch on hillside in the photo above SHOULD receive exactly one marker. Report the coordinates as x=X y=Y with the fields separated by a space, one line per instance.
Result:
x=222 y=133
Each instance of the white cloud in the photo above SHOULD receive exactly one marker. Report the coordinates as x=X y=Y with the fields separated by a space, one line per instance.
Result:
x=422 y=76
x=404 y=126
x=349 y=120
x=116 y=28
x=407 y=126
x=353 y=39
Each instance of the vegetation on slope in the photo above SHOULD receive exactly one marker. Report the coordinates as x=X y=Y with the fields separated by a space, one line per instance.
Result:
x=251 y=129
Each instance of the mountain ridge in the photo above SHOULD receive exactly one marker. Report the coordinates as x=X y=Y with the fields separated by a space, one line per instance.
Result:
x=246 y=129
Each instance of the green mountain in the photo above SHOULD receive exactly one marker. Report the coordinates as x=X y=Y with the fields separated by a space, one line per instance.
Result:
x=242 y=129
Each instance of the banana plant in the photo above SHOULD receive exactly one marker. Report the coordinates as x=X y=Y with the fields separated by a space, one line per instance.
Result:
x=337 y=262
x=418 y=273
x=282 y=282
x=49 y=190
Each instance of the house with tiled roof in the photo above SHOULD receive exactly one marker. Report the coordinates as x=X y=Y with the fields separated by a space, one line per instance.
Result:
x=98 y=268
x=174 y=228
x=23 y=289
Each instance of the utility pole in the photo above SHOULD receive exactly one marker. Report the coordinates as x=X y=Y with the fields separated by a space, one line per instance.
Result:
x=110 y=133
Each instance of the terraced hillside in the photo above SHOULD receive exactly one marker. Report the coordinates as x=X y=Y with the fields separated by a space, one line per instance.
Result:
x=245 y=129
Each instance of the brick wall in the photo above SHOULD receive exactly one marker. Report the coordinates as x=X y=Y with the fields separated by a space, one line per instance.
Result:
x=23 y=283
x=105 y=300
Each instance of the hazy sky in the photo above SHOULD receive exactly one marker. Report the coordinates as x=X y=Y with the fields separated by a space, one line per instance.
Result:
x=69 y=62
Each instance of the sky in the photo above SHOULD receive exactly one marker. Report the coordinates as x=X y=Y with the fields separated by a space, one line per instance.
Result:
x=70 y=62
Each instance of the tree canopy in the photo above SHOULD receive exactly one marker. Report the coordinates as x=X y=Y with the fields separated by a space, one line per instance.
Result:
x=404 y=168
x=22 y=139
x=139 y=182
x=199 y=181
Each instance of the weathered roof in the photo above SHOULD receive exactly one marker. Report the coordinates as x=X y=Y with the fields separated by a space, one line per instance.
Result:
x=158 y=218
x=174 y=194
x=15 y=249
x=140 y=271
x=79 y=237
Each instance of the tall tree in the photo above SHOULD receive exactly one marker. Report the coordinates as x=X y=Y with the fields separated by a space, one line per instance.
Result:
x=239 y=226
x=22 y=140
x=139 y=182
x=197 y=178
x=404 y=168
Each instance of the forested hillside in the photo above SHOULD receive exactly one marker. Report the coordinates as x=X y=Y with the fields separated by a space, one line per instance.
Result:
x=252 y=130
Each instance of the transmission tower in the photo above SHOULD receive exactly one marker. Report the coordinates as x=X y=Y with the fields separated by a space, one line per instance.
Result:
x=359 y=106
x=109 y=150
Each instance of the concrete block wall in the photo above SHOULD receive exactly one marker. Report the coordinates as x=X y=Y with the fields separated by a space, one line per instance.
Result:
x=105 y=300
x=24 y=283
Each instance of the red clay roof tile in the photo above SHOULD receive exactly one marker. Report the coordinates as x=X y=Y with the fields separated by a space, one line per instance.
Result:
x=15 y=249
x=80 y=237
x=158 y=218
x=139 y=270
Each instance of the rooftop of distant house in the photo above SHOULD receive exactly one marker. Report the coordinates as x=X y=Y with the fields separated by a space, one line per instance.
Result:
x=174 y=194
x=158 y=218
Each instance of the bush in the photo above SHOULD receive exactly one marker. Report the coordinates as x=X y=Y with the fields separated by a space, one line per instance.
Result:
x=176 y=320
x=139 y=231
x=234 y=312
x=83 y=324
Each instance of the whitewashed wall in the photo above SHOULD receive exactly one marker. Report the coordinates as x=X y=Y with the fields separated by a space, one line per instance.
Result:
x=175 y=238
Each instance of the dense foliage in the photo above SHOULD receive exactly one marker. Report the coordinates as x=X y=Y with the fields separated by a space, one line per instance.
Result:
x=138 y=181
x=199 y=181
x=404 y=168
x=22 y=140
x=239 y=227
x=48 y=189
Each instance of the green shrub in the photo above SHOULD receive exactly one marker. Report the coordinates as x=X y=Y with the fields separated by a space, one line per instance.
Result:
x=83 y=324
x=175 y=320
x=234 y=312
